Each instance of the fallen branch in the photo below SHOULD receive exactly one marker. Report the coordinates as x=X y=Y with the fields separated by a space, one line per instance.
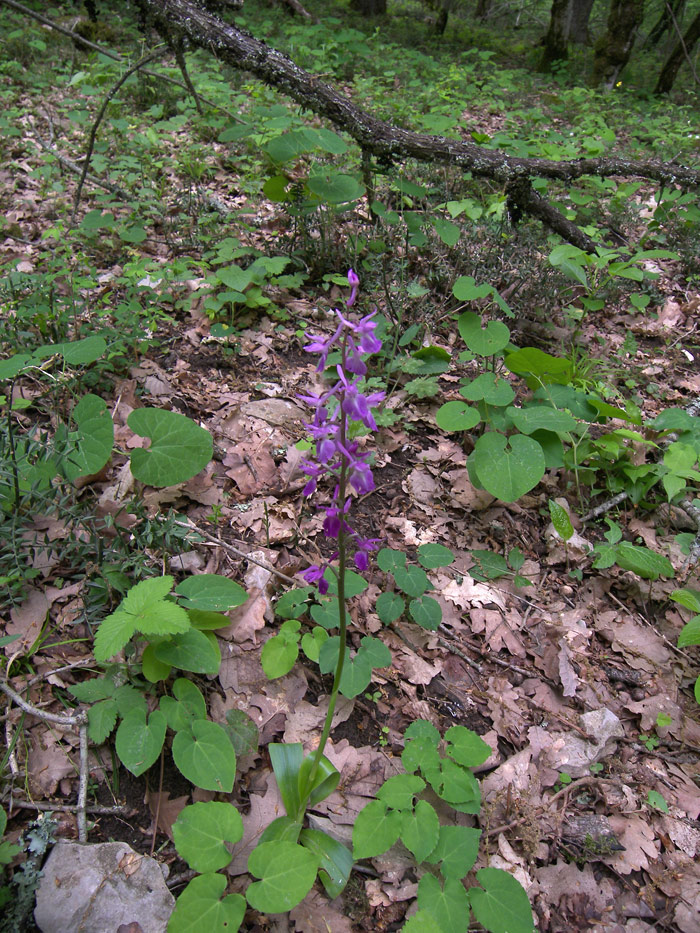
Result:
x=389 y=143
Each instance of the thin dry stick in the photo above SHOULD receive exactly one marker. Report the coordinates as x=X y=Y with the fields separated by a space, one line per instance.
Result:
x=96 y=810
x=98 y=119
x=210 y=539
x=79 y=722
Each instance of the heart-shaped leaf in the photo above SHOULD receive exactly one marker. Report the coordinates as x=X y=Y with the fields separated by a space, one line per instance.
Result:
x=201 y=831
x=200 y=907
x=94 y=439
x=502 y=906
x=205 y=756
x=287 y=871
x=179 y=447
x=138 y=742
x=508 y=467
x=484 y=341
x=457 y=416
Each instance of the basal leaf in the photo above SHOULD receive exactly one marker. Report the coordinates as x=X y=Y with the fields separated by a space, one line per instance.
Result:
x=334 y=860
x=399 y=791
x=561 y=520
x=690 y=633
x=191 y=651
x=456 y=851
x=138 y=741
x=420 y=829
x=390 y=606
x=484 y=341
x=426 y=612
x=205 y=756
x=376 y=829
x=466 y=747
x=448 y=905
x=432 y=556
x=502 y=906
x=93 y=440
x=179 y=447
x=211 y=592
x=508 y=467
x=457 y=416
x=287 y=871
x=201 y=832
x=200 y=907
x=641 y=560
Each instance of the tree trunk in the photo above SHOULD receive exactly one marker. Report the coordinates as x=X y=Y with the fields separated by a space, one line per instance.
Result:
x=672 y=13
x=483 y=8
x=568 y=22
x=369 y=7
x=613 y=49
x=580 y=15
x=682 y=51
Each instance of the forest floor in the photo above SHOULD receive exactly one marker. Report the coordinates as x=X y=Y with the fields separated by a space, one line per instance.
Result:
x=592 y=793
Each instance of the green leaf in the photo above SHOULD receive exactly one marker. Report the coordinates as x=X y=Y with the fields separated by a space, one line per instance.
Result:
x=179 y=448
x=642 y=561
x=490 y=388
x=334 y=187
x=199 y=907
x=90 y=691
x=102 y=718
x=411 y=580
x=560 y=520
x=211 y=592
x=286 y=762
x=422 y=922
x=114 y=632
x=188 y=705
x=502 y=906
x=13 y=366
x=201 y=832
x=489 y=566
x=75 y=352
x=234 y=277
x=688 y=598
x=389 y=560
x=420 y=829
x=193 y=651
x=448 y=232
x=457 y=786
x=294 y=603
x=390 y=606
x=311 y=642
x=153 y=669
x=279 y=655
x=457 y=416
x=654 y=799
x=334 y=860
x=466 y=747
x=93 y=440
x=206 y=756
x=456 y=851
x=357 y=673
x=398 y=792
x=354 y=583
x=376 y=652
x=287 y=871
x=448 y=905
x=690 y=633
x=426 y=612
x=138 y=742
x=242 y=732
x=508 y=467
x=484 y=341
x=539 y=368
x=376 y=829
x=326 y=614
x=207 y=621
x=466 y=289
x=541 y=418
x=435 y=555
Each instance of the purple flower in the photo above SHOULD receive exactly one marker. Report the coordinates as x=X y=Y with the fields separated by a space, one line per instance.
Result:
x=337 y=456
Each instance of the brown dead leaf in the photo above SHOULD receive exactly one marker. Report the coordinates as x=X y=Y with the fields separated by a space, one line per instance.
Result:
x=168 y=810
x=497 y=629
x=637 y=836
x=48 y=762
x=464 y=495
x=642 y=648
x=316 y=914
x=27 y=620
x=263 y=810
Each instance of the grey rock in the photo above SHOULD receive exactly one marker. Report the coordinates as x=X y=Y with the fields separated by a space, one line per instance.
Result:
x=97 y=888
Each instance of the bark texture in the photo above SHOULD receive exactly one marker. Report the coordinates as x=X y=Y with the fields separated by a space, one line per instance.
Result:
x=682 y=51
x=614 y=48
x=390 y=144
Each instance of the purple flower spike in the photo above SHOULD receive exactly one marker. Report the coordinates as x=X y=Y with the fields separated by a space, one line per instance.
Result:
x=337 y=456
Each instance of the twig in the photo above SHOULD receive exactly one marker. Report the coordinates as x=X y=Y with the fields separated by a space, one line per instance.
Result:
x=604 y=507
x=234 y=550
x=93 y=810
x=85 y=662
x=82 y=785
x=98 y=119
x=72 y=721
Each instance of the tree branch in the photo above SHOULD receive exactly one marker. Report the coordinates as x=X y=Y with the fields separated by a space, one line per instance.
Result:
x=389 y=143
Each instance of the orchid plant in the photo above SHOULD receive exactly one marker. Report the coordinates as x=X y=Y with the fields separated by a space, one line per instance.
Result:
x=338 y=459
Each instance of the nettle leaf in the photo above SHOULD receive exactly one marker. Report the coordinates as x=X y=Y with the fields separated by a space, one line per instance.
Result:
x=642 y=561
x=420 y=829
x=205 y=756
x=376 y=829
x=456 y=851
x=192 y=651
x=398 y=792
x=114 y=632
x=200 y=907
x=288 y=872
x=179 y=447
x=508 y=467
x=93 y=440
x=484 y=341
x=389 y=560
x=426 y=612
x=411 y=580
x=211 y=592
x=102 y=718
x=390 y=607
x=139 y=742
x=201 y=832
x=502 y=906
x=690 y=633
x=466 y=747
x=448 y=905
x=242 y=732
x=457 y=416
x=143 y=609
x=435 y=555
